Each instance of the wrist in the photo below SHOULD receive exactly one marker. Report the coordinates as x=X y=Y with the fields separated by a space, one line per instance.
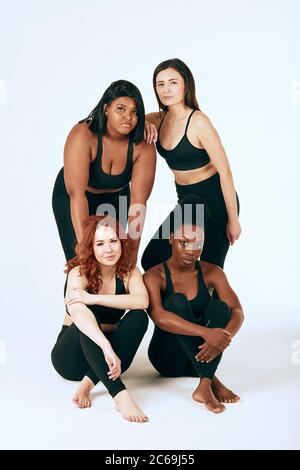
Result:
x=105 y=346
x=203 y=332
x=233 y=217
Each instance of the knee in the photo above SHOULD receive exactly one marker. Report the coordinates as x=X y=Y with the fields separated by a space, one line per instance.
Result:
x=141 y=318
x=176 y=301
x=220 y=311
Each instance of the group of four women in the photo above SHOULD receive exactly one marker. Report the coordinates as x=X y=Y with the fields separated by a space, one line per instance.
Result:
x=107 y=178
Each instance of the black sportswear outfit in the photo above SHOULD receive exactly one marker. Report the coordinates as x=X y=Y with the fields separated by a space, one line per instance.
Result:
x=186 y=156
x=172 y=354
x=98 y=179
x=75 y=355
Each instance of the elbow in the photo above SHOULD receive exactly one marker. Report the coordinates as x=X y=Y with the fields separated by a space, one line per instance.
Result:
x=225 y=173
x=158 y=320
x=143 y=302
x=75 y=194
x=138 y=200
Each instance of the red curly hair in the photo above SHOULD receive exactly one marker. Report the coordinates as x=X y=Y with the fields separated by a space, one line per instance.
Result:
x=85 y=257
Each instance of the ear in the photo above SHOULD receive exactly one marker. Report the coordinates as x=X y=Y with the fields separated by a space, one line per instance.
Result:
x=171 y=238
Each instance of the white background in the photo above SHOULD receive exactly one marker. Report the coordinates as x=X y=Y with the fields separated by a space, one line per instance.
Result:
x=56 y=60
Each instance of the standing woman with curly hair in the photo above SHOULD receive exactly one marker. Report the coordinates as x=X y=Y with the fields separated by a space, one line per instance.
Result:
x=193 y=150
x=98 y=340
x=106 y=161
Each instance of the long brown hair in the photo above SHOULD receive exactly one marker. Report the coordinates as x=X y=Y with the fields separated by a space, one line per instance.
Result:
x=85 y=257
x=190 y=95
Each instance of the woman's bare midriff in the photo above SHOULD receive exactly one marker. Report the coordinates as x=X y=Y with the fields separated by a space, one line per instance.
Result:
x=194 y=176
x=105 y=327
x=101 y=191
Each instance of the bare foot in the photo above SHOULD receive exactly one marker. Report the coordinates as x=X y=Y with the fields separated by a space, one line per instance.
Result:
x=128 y=408
x=81 y=397
x=204 y=394
x=222 y=393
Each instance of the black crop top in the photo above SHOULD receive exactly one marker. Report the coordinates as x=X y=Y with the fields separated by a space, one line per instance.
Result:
x=109 y=315
x=185 y=156
x=98 y=179
x=198 y=303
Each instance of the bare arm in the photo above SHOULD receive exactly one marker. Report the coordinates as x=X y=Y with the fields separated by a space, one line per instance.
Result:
x=164 y=319
x=141 y=186
x=82 y=316
x=217 y=279
x=211 y=141
x=76 y=173
x=136 y=299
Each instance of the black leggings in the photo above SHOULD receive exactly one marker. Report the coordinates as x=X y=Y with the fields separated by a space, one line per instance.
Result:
x=62 y=212
x=216 y=243
x=75 y=355
x=173 y=355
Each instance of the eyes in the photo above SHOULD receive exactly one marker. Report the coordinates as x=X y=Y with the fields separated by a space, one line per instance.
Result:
x=192 y=246
x=162 y=84
x=122 y=110
x=115 y=240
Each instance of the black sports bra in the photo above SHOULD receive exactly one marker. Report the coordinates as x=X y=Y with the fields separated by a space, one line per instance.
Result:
x=185 y=156
x=109 y=315
x=198 y=303
x=98 y=179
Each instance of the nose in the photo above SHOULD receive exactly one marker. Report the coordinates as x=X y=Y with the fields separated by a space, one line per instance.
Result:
x=108 y=248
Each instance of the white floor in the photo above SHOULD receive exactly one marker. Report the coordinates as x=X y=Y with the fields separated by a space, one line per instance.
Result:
x=37 y=412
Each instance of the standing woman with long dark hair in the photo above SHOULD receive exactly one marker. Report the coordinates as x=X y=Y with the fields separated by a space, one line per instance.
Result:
x=103 y=154
x=193 y=150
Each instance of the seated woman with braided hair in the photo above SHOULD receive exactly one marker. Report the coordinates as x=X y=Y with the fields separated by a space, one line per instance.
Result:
x=98 y=341
x=191 y=329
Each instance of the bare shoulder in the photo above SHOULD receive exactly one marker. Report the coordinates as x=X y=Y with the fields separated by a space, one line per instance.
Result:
x=75 y=273
x=80 y=133
x=154 y=118
x=135 y=272
x=75 y=278
x=209 y=269
x=144 y=147
x=201 y=120
x=154 y=274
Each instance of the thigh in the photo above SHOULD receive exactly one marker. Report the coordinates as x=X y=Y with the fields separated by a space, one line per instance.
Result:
x=67 y=355
x=62 y=214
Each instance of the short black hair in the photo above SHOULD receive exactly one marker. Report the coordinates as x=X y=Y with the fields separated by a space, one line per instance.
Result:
x=97 y=117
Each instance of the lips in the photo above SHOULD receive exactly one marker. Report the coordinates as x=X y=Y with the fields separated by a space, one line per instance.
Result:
x=110 y=257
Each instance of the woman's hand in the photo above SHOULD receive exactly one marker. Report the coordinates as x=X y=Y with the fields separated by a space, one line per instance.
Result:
x=233 y=230
x=79 y=295
x=218 y=338
x=207 y=354
x=113 y=363
x=150 y=132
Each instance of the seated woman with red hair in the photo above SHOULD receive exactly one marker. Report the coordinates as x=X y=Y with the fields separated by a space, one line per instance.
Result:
x=98 y=340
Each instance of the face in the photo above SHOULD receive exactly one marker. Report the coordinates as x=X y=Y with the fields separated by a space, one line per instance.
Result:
x=187 y=243
x=107 y=246
x=122 y=114
x=170 y=87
